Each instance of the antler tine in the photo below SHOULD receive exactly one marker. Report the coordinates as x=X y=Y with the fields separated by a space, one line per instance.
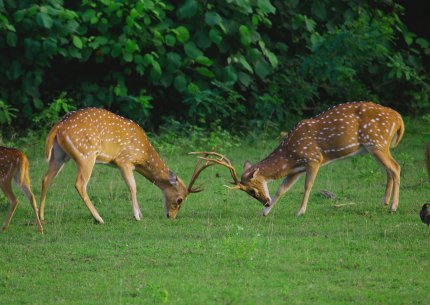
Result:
x=229 y=166
x=195 y=174
x=213 y=153
x=223 y=160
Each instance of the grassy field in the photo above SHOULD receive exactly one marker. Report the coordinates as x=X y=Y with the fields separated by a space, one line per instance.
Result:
x=220 y=250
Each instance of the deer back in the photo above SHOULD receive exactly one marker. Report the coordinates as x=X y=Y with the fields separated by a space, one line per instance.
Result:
x=110 y=137
x=343 y=131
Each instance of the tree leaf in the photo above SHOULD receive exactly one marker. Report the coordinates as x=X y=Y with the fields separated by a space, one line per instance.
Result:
x=191 y=50
x=266 y=7
x=262 y=69
x=131 y=46
x=182 y=33
x=310 y=24
x=193 y=88
x=205 y=72
x=77 y=42
x=245 y=79
x=203 y=60
x=188 y=9
x=170 y=40
x=173 y=60
x=128 y=57
x=180 y=83
x=230 y=75
x=215 y=36
x=212 y=18
x=44 y=20
x=202 y=39
x=272 y=58
x=11 y=39
x=245 y=35
x=155 y=70
x=242 y=60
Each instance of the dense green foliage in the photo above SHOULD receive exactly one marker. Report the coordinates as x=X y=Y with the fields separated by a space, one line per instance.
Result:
x=203 y=62
x=220 y=250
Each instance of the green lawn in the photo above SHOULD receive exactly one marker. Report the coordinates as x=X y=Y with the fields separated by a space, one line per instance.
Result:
x=220 y=250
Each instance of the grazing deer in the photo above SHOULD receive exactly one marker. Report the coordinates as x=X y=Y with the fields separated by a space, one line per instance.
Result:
x=340 y=132
x=14 y=165
x=94 y=135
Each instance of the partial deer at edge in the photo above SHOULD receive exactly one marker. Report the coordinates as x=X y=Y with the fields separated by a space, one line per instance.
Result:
x=340 y=132
x=94 y=135
x=14 y=166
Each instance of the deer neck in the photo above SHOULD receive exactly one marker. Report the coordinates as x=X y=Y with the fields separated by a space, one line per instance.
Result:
x=274 y=166
x=154 y=169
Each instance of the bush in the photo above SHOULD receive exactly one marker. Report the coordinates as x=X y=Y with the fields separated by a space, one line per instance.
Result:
x=237 y=62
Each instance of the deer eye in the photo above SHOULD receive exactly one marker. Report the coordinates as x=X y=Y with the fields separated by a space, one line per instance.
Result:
x=252 y=192
x=179 y=201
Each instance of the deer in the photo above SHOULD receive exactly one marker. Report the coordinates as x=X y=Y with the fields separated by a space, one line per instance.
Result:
x=14 y=166
x=95 y=135
x=338 y=133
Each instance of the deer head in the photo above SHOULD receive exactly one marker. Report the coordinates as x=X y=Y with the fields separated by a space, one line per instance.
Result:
x=254 y=184
x=177 y=192
x=250 y=182
x=174 y=195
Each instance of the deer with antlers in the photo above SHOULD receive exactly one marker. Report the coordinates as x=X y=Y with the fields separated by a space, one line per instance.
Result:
x=14 y=166
x=94 y=135
x=340 y=132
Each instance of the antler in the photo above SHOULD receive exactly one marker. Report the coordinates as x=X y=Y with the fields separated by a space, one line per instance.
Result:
x=196 y=173
x=222 y=160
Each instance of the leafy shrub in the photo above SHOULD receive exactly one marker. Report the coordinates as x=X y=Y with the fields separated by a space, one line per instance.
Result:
x=50 y=115
x=236 y=61
x=6 y=113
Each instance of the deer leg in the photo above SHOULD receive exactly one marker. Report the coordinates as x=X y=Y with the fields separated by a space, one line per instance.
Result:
x=26 y=189
x=13 y=203
x=58 y=159
x=388 y=189
x=288 y=182
x=85 y=168
x=391 y=166
x=127 y=174
x=311 y=173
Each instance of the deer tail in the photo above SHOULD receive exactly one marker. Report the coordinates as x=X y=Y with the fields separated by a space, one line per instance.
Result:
x=399 y=134
x=50 y=142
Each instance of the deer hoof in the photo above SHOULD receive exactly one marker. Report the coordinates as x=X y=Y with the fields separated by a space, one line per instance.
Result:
x=137 y=214
x=100 y=221
x=266 y=211
x=300 y=213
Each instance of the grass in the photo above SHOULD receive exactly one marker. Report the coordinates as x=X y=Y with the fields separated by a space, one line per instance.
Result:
x=219 y=250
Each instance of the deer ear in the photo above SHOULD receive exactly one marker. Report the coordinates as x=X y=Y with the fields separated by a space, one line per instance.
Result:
x=247 y=165
x=255 y=173
x=172 y=178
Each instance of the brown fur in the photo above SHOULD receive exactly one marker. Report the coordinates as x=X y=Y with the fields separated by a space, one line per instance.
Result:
x=14 y=166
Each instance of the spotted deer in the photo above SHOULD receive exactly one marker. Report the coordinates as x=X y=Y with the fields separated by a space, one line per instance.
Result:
x=14 y=166
x=94 y=135
x=340 y=132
